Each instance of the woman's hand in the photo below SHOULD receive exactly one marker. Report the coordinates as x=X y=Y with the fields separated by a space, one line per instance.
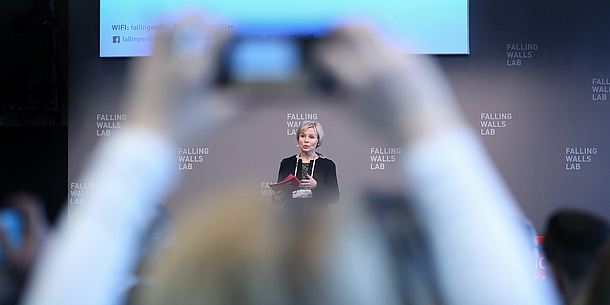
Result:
x=310 y=183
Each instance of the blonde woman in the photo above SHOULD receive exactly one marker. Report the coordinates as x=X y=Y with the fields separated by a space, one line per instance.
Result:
x=318 y=174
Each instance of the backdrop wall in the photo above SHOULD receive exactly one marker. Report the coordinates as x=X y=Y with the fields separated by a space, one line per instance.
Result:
x=534 y=87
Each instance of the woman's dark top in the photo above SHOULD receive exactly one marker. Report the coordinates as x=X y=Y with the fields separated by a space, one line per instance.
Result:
x=325 y=174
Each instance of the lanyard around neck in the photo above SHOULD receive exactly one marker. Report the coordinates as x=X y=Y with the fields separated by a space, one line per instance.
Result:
x=313 y=166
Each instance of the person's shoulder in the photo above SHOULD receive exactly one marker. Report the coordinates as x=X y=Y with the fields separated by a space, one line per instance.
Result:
x=289 y=159
x=324 y=158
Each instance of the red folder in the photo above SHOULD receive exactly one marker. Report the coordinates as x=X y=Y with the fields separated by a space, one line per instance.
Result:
x=289 y=184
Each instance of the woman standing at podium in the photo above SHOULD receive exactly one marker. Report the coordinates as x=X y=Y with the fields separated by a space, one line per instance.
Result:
x=318 y=174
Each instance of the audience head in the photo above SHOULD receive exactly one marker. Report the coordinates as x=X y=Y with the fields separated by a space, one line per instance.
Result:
x=572 y=244
x=243 y=252
x=598 y=292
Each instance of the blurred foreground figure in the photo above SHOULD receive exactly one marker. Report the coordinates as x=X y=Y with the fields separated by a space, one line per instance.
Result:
x=573 y=243
x=239 y=253
x=243 y=252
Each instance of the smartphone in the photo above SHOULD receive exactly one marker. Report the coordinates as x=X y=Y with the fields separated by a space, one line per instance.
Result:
x=11 y=222
x=263 y=59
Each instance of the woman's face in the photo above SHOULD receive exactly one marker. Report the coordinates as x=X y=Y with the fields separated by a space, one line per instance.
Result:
x=308 y=140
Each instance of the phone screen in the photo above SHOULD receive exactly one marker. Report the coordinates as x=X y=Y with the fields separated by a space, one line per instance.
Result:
x=11 y=222
x=252 y=60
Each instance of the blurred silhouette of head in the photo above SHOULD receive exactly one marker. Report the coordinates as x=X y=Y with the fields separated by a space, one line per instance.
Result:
x=240 y=251
x=573 y=242
x=598 y=292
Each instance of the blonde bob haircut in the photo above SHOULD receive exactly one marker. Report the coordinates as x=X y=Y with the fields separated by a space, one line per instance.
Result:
x=317 y=127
